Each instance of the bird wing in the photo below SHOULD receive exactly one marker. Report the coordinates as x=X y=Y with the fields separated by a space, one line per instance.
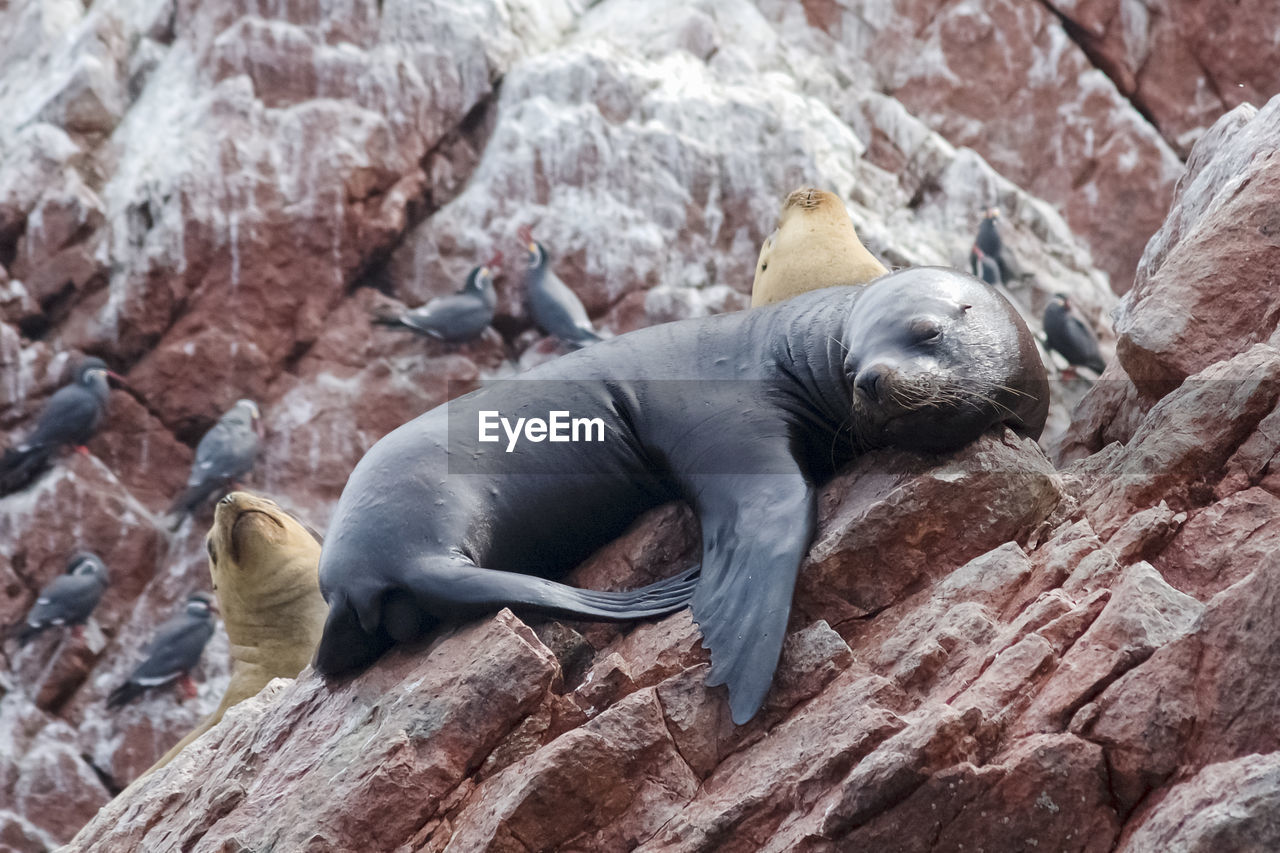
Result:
x=69 y=417
x=561 y=302
x=225 y=452
x=451 y=316
x=1082 y=343
x=67 y=600
x=175 y=649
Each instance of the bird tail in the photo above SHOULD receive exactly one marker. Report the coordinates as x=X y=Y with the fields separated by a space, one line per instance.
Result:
x=126 y=692
x=385 y=316
x=583 y=338
x=18 y=467
x=193 y=497
x=25 y=632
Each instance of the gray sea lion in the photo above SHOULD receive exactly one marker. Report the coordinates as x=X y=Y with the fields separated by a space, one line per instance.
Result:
x=263 y=562
x=814 y=246
x=741 y=414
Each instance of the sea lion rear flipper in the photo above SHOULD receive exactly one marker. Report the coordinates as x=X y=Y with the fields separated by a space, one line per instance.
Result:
x=454 y=588
x=755 y=533
x=344 y=645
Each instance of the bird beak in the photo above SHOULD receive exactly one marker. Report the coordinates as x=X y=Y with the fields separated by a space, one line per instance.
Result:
x=120 y=382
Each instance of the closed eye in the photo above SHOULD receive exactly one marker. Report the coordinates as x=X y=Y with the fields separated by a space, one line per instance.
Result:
x=926 y=331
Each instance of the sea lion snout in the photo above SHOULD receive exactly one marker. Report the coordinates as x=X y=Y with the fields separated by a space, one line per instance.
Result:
x=871 y=381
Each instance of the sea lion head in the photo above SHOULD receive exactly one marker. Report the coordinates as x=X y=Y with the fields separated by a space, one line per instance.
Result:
x=935 y=358
x=259 y=554
x=814 y=246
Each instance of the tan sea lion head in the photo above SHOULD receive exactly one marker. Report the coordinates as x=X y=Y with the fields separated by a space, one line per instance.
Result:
x=263 y=561
x=814 y=246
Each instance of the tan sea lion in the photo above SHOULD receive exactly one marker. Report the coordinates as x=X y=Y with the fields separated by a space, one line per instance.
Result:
x=264 y=565
x=814 y=246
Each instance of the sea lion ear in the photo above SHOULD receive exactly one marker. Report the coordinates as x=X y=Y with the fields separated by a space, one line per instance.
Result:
x=964 y=308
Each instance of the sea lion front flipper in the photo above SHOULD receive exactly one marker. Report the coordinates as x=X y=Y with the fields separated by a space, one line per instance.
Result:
x=755 y=533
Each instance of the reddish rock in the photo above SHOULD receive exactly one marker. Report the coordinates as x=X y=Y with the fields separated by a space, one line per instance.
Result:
x=1183 y=65
x=1111 y=411
x=1217 y=264
x=994 y=76
x=1051 y=791
x=141 y=452
x=356 y=384
x=1200 y=700
x=78 y=505
x=1142 y=614
x=742 y=804
x=1145 y=533
x=435 y=717
x=1187 y=438
x=43 y=780
x=17 y=834
x=1229 y=806
x=996 y=490
x=59 y=251
x=607 y=785
x=980 y=604
x=1223 y=543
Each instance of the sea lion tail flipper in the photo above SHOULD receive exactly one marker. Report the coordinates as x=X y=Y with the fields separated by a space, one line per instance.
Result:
x=754 y=539
x=453 y=588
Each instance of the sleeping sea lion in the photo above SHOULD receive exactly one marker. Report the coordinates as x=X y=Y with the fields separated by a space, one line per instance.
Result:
x=742 y=415
x=814 y=246
x=263 y=561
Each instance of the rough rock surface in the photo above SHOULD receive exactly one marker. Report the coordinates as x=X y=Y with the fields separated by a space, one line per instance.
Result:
x=213 y=197
x=1182 y=64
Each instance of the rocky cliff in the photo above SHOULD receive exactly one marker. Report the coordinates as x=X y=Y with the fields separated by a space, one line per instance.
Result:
x=989 y=652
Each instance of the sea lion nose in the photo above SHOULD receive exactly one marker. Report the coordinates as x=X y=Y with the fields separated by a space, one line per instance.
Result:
x=870 y=381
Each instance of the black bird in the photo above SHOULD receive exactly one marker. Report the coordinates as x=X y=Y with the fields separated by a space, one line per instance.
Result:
x=457 y=317
x=1070 y=336
x=226 y=452
x=69 y=418
x=989 y=245
x=988 y=270
x=173 y=651
x=555 y=308
x=69 y=598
